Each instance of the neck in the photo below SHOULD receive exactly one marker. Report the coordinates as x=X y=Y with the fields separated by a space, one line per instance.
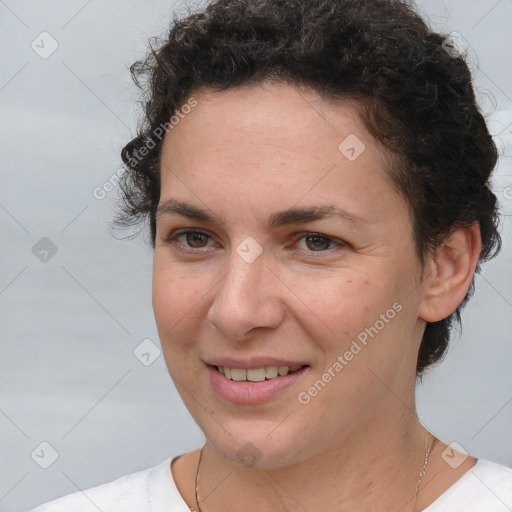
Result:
x=373 y=469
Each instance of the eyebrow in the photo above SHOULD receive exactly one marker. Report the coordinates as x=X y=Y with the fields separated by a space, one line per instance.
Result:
x=290 y=216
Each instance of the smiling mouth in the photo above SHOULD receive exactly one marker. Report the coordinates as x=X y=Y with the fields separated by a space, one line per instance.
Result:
x=257 y=374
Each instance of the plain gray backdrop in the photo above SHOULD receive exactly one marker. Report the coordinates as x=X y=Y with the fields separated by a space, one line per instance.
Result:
x=75 y=303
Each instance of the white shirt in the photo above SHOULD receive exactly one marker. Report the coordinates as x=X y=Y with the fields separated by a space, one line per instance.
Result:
x=486 y=487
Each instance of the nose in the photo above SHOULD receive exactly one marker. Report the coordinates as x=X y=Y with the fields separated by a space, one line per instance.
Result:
x=246 y=299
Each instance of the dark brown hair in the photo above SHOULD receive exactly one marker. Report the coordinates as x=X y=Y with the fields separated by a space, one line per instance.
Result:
x=415 y=96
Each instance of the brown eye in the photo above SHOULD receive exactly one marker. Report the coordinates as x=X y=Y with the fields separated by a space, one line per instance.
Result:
x=318 y=245
x=317 y=242
x=196 y=239
x=189 y=240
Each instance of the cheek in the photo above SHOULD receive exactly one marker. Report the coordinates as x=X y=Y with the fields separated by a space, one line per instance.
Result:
x=339 y=305
x=177 y=301
x=173 y=309
x=362 y=308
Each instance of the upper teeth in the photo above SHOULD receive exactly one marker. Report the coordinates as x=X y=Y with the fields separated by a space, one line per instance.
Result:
x=257 y=374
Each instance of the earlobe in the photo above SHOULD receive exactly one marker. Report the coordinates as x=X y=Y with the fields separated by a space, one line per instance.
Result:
x=452 y=267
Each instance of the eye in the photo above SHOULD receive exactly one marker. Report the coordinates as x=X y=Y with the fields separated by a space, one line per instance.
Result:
x=316 y=242
x=191 y=239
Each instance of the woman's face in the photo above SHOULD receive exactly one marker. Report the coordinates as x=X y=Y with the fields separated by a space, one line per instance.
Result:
x=307 y=259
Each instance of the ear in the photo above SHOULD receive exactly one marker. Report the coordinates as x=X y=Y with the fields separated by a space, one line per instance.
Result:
x=449 y=272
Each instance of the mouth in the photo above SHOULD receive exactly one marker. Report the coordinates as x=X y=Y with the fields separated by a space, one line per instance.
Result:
x=256 y=386
x=257 y=374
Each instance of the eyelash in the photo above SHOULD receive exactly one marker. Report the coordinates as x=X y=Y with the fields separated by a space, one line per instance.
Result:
x=171 y=240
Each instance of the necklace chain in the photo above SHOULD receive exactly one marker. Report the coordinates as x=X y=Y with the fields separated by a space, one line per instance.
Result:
x=422 y=473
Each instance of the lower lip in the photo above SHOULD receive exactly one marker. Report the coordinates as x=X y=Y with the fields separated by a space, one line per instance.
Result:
x=251 y=393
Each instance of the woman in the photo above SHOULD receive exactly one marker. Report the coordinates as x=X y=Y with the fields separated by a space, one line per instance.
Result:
x=315 y=176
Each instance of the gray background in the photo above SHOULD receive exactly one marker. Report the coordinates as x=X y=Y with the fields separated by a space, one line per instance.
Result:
x=69 y=326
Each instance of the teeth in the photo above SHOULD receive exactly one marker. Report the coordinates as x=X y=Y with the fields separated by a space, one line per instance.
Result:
x=271 y=372
x=238 y=374
x=257 y=374
x=283 y=370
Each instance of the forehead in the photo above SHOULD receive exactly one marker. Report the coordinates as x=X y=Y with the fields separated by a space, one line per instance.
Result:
x=277 y=116
x=273 y=112
x=274 y=142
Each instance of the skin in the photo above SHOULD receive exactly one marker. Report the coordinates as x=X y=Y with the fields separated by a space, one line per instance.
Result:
x=243 y=155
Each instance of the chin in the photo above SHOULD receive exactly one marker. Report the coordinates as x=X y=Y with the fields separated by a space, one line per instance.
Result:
x=264 y=452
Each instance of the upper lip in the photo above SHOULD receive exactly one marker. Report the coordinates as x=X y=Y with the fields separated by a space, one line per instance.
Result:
x=253 y=362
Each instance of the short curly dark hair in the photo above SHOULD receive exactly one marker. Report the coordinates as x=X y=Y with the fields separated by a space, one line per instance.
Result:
x=414 y=95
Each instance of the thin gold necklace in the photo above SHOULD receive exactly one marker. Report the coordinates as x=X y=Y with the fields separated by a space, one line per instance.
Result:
x=420 y=479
